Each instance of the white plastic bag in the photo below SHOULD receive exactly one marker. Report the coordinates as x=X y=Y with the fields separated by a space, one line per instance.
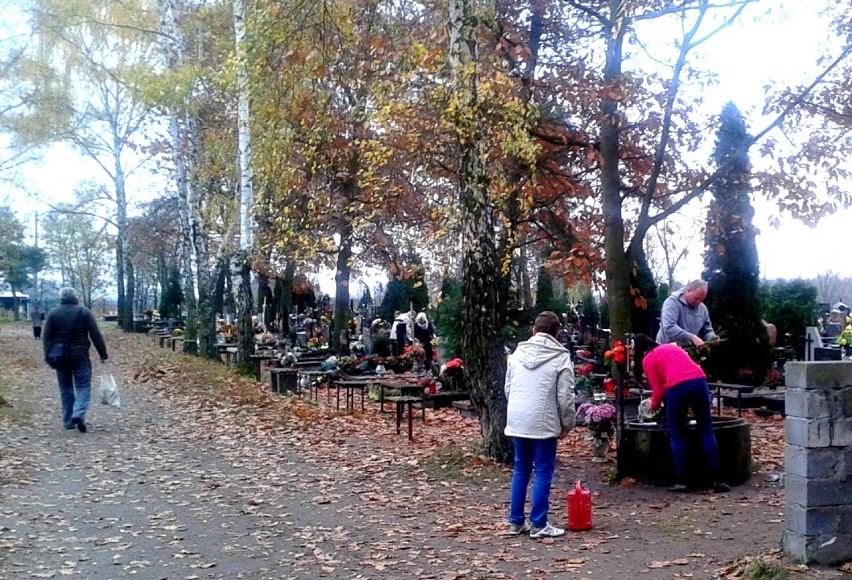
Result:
x=108 y=391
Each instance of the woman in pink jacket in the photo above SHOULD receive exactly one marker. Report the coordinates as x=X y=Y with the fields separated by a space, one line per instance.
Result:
x=675 y=378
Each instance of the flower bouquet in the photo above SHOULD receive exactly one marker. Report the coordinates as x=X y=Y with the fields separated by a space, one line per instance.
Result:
x=617 y=355
x=599 y=418
x=413 y=353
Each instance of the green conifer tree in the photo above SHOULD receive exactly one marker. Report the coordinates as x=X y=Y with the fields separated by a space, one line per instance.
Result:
x=731 y=263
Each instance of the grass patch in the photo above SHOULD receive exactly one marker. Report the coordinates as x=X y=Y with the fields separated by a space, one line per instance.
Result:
x=765 y=570
x=454 y=463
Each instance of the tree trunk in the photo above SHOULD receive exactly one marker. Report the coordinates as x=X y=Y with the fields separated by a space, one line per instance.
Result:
x=617 y=272
x=244 y=305
x=241 y=269
x=119 y=280
x=174 y=50
x=341 y=283
x=265 y=306
x=485 y=365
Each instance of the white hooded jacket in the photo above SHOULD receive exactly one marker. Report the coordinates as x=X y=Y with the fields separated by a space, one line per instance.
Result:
x=540 y=389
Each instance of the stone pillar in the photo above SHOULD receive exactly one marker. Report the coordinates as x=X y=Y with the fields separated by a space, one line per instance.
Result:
x=818 y=462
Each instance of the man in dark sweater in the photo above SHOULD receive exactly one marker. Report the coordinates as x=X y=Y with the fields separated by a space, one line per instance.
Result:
x=73 y=325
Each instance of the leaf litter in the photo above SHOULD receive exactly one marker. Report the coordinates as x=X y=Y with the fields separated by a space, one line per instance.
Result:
x=205 y=470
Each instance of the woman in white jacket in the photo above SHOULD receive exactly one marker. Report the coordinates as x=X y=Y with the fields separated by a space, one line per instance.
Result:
x=540 y=393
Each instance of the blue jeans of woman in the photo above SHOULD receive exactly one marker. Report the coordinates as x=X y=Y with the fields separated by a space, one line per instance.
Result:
x=75 y=388
x=680 y=398
x=538 y=454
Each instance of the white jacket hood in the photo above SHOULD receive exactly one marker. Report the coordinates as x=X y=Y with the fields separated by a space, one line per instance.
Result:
x=539 y=389
x=538 y=350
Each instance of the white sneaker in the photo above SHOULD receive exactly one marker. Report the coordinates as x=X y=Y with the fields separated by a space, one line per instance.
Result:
x=547 y=531
x=518 y=529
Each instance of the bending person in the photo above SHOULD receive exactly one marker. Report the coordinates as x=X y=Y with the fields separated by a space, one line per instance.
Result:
x=674 y=376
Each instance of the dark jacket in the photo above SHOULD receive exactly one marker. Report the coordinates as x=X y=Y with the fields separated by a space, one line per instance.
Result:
x=61 y=326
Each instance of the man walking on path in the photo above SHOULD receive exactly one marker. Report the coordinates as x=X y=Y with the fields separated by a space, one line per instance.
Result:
x=36 y=316
x=72 y=325
x=540 y=392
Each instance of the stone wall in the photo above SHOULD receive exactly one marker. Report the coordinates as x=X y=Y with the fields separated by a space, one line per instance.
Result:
x=818 y=481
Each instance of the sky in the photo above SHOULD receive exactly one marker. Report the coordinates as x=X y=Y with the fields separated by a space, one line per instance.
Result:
x=748 y=56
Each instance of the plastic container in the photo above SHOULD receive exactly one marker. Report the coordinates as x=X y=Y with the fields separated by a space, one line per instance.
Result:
x=579 y=509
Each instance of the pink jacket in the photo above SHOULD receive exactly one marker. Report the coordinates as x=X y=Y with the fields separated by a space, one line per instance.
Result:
x=666 y=366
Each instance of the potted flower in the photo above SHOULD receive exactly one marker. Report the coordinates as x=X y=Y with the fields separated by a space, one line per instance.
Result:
x=600 y=419
x=414 y=355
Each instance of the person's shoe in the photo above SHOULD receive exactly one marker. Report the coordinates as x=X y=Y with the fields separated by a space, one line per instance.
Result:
x=679 y=488
x=81 y=424
x=547 y=531
x=721 y=487
x=518 y=529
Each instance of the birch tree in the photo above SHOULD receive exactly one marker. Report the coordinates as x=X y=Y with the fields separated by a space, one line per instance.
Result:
x=96 y=48
x=241 y=261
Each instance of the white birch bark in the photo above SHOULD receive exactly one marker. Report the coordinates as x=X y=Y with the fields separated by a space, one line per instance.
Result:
x=241 y=264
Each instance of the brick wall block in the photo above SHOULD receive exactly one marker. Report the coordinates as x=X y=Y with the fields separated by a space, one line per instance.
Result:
x=823 y=462
x=807 y=432
x=815 y=375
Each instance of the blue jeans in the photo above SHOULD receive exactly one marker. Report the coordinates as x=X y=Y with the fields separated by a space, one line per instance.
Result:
x=541 y=455
x=75 y=388
x=679 y=399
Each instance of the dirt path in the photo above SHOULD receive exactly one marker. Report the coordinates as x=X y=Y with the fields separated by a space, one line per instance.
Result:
x=195 y=480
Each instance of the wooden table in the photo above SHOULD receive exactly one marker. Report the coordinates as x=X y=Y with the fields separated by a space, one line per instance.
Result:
x=350 y=386
x=401 y=403
x=404 y=388
x=314 y=378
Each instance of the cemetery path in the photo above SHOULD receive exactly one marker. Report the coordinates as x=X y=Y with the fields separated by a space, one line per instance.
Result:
x=204 y=474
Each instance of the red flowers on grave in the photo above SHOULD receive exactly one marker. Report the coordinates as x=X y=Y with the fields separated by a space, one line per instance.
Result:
x=617 y=355
x=584 y=369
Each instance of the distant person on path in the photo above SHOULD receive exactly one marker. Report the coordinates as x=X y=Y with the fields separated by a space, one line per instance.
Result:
x=36 y=315
x=540 y=393
x=684 y=318
x=675 y=378
x=73 y=325
x=424 y=332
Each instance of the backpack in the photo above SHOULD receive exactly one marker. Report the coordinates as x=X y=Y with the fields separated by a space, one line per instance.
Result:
x=60 y=352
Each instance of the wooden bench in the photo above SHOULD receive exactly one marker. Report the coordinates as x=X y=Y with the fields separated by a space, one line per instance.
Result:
x=350 y=386
x=443 y=399
x=465 y=408
x=401 y=404
x=405 y=389
x=739 y=389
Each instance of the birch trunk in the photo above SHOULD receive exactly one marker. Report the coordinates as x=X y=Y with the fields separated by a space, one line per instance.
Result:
x=241 y=265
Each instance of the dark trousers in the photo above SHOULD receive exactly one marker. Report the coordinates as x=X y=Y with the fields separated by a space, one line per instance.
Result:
x=37 y=332
x=680 y=398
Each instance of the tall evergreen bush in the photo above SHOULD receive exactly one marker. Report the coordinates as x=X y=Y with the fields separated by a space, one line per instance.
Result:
x=731 y=263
